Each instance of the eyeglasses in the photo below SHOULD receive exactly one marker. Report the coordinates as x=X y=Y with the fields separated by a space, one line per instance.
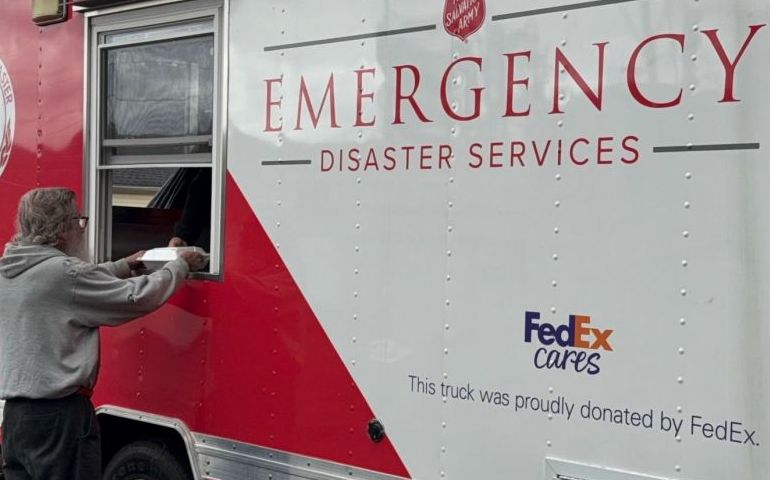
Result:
x=82 y=221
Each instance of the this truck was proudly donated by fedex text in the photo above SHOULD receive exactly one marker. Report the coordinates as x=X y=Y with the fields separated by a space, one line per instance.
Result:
x=450 y=240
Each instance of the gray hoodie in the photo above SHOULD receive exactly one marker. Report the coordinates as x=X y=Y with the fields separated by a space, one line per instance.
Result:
x=51 y=308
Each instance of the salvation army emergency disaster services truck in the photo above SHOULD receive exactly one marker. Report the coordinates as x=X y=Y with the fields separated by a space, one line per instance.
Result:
x=450 y=240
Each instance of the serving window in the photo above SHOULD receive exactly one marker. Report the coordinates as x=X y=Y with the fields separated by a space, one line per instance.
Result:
x=155 y=149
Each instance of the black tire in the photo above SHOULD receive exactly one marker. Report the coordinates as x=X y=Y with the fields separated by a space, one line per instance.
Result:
x=144 y=461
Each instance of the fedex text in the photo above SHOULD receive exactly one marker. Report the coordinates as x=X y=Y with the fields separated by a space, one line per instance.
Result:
x=558 y=342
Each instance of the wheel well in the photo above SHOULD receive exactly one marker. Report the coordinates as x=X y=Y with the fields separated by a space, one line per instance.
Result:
x=117 y=432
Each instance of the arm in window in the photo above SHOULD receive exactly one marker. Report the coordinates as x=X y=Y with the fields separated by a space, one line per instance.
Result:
x=125 y=267
x=196 y=213
x=119 y=268
x=102 y=299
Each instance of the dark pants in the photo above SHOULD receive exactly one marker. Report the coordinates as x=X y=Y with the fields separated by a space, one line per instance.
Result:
x=51 y=439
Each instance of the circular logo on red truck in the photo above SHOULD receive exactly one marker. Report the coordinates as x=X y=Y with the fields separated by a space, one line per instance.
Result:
x=7 y=116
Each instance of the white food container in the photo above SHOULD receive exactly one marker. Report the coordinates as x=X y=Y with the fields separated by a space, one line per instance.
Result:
x=155 y=258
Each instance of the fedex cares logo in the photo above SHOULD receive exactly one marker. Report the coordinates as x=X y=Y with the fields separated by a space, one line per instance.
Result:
x=558 y=341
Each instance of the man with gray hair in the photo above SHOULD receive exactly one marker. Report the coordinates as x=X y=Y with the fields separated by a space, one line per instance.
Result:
x=52 y=303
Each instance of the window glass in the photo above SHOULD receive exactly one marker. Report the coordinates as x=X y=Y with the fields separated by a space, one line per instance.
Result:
x=157 y=33
x=153 y=103
x=162 y=89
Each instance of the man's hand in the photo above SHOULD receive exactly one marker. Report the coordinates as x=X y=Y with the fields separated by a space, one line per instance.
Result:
x=177 y=242
x=134 y=264
x=195 y=260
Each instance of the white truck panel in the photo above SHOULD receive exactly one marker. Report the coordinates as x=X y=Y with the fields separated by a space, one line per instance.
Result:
x=429 y=272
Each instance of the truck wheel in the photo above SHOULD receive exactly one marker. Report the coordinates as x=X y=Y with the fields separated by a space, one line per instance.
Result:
x=144 y=461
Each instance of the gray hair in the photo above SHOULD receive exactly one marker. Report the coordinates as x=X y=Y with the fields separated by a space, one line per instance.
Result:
x=44 y=216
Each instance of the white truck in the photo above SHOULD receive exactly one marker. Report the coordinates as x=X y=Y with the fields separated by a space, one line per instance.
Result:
x=450 y=240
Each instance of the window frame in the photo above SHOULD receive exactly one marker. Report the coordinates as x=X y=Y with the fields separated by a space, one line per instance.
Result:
x=100 y=23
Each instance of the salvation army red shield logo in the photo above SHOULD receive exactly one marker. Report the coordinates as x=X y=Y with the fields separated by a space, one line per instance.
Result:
x=7 y=116
x=462 y=18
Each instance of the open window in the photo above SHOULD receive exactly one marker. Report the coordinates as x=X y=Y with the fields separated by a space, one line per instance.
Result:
x=155 y=137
